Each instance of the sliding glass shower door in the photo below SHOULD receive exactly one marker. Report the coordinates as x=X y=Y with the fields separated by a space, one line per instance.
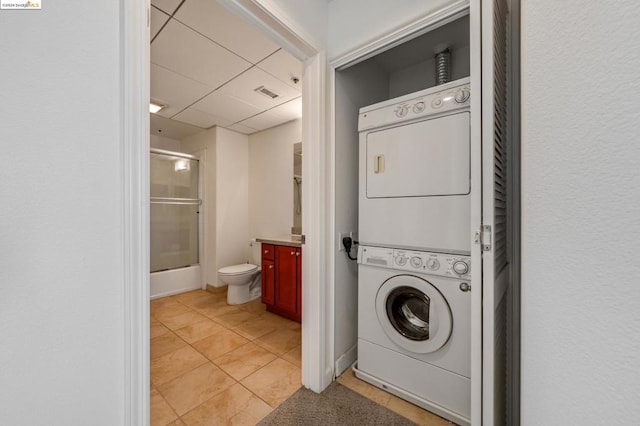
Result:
x=175 y=208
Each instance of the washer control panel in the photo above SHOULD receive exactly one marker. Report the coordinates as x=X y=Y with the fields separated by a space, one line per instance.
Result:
x=435 y=100
x=441 y=264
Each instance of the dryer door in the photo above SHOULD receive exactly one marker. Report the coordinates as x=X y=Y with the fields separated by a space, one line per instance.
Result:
x=414 y=314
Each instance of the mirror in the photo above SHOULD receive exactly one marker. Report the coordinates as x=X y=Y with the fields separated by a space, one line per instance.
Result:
x=296 y=229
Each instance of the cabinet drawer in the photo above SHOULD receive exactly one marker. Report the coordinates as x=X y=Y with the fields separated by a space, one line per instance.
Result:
x=268 y=251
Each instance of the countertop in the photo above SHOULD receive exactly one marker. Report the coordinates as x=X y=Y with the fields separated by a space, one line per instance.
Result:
x=282 y=240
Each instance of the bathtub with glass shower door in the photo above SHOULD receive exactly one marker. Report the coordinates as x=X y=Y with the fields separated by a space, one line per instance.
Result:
x=175 y=205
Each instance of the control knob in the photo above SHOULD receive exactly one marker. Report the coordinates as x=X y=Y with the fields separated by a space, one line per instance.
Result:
x=416 y=262
x=401 y=260
x=433 y=264
x=418 y=107
x=402 y=110
x=460 y=267
x=462 y=96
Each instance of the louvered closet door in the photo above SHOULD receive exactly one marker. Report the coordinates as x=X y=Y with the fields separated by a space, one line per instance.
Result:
x=495 y=266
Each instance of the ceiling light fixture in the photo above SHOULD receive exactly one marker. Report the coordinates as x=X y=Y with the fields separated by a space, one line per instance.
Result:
x=155 y=107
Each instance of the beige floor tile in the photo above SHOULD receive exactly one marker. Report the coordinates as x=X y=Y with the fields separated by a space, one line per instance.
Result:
x=182 y=320
x=255 y=307
x=294 y=356
x=280 y=341
x=161 y=413
x=214 y=311
x=163 y=313
x=174 y=364
x=245 y=360
x=164 y=344
x=365 y=389
x=220 y=408
x=235 y=319
x=157 y=330
x=209 y=300
x=256 y=408
x=212 y=301
x=163 y=302
x=276 y=320
x=219 y=344
x=415 y=413
x=275 y=382
x=254 y=329
x=195 y=387
x=199 y=330
x=177 y=422
x=191 y=296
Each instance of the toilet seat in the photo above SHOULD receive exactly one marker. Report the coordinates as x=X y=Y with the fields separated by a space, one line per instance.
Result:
x=237 y=269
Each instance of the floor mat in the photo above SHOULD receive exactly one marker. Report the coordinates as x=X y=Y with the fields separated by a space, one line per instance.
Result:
x=337 y=405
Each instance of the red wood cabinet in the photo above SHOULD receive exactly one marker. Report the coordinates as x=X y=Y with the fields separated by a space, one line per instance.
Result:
x=281 y=280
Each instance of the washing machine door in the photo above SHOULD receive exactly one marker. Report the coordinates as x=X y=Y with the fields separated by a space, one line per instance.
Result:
x=414 y=314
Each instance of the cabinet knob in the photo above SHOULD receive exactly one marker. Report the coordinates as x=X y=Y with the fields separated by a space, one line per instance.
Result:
x=266 y=251
x=270 y=266
x=292 y=253
x=297 y=253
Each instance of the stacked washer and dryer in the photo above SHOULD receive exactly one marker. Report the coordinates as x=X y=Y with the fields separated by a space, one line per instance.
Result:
x=414 y=301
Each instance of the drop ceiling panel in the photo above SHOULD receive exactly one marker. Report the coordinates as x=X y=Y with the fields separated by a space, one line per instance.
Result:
x=229 y=107
x=242 y=129
x=283 y=66
x=201 y=119
x=278 y=115
x=186 y=52
x=171 y=128
x=174 y=90
x=243 y=88
x=215 y=22
x=168 y=6
x=158 y=18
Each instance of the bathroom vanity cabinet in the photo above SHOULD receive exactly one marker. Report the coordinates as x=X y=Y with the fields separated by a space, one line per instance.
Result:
x=281 y=280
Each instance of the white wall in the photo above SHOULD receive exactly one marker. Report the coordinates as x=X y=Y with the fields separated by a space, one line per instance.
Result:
x=581 y=210
x=270 y=180
x=360 y=85
x=307 y=18
x=168 y=144
x=61 y=238
x=203 y=145
x=355 y=23
x=232 y=198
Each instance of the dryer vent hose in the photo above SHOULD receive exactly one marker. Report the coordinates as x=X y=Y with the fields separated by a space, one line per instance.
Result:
x=443 y=67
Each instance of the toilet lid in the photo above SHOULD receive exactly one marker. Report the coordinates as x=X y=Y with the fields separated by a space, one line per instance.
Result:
x=237 y=269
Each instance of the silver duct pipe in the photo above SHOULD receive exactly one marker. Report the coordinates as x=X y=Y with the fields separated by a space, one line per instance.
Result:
x=443 y=67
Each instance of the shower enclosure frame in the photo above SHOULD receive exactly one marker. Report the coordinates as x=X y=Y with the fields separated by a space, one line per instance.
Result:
x=163 y=283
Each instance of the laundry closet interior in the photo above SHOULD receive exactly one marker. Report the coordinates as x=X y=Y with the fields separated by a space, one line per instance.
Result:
x=411 y=167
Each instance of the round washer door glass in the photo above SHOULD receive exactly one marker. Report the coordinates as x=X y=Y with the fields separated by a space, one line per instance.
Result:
x=414 y=314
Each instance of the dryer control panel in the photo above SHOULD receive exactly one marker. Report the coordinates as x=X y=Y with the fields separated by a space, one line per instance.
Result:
x=435 y=100
x=423 y=262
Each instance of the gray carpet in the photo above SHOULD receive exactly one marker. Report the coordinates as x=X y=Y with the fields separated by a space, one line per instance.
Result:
x=337 y=405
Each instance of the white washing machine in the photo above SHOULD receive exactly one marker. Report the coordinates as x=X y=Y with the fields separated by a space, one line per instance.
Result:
x=414 y=327
x=415 y=171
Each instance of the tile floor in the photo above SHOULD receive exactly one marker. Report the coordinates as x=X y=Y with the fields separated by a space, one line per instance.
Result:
x=212 y=363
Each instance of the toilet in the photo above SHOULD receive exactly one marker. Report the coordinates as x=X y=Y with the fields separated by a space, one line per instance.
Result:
x=243 y=280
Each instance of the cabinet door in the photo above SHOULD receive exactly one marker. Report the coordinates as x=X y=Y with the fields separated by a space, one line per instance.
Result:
x=286 y=292
x=268 y=282
x=299 y=282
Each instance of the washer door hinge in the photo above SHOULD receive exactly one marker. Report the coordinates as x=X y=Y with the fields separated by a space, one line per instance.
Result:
x=483 y=237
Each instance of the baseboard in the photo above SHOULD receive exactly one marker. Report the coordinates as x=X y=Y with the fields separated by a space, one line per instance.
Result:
x=346 y=360
x=216 y=290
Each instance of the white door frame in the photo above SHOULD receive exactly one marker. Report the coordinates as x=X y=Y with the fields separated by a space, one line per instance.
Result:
x=317 y=371
x=134 y=42
x=317 y=335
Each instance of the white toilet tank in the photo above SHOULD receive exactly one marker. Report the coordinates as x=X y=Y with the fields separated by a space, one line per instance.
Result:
x=256 y=253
